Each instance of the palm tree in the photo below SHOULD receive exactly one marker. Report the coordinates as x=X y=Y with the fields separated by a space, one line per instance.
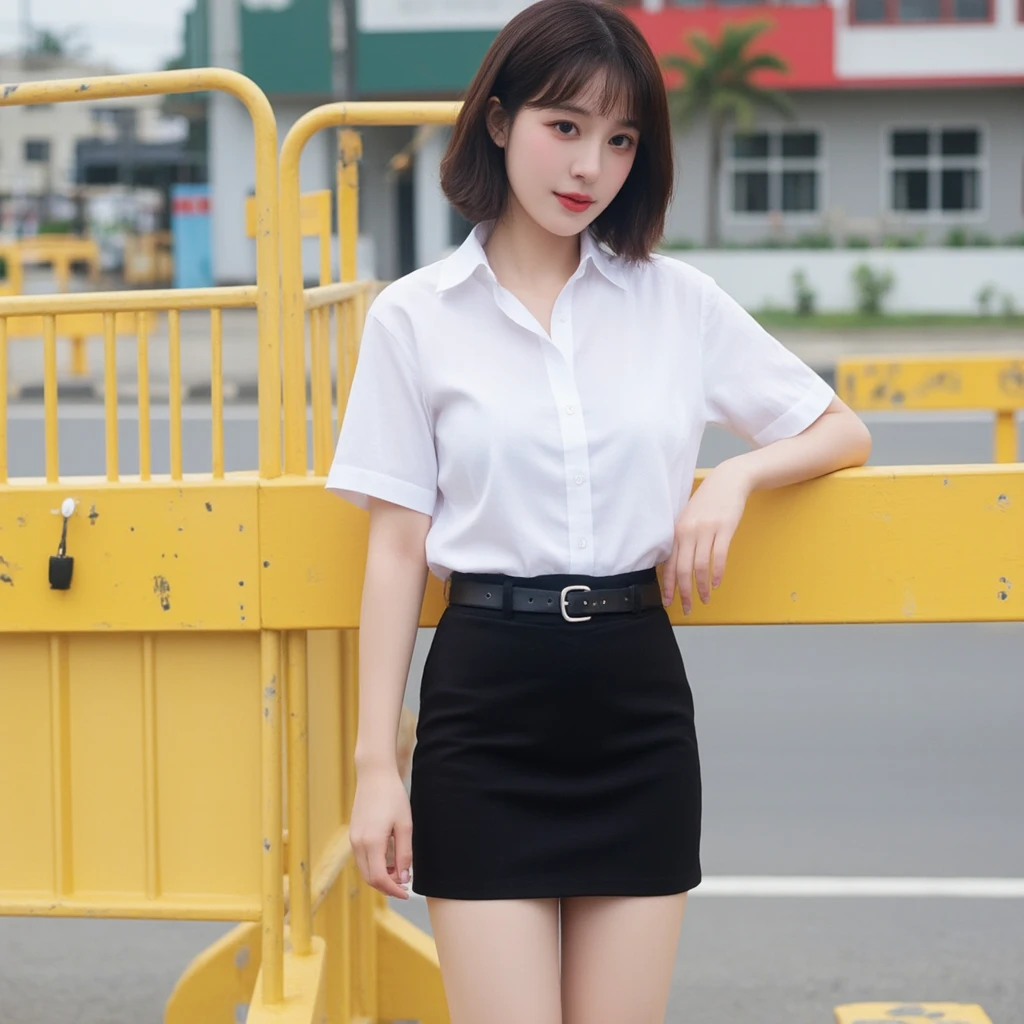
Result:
x=719 y=83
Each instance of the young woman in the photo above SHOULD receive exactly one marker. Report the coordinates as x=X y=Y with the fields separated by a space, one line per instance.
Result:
x=524 y=422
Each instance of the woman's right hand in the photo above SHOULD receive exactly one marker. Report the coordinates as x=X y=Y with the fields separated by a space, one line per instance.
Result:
x=381 y=809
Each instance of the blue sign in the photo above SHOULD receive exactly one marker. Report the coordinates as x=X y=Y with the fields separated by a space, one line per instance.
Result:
x=190 y=233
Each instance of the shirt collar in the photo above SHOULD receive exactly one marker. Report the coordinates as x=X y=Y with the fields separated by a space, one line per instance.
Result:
x=462 y=263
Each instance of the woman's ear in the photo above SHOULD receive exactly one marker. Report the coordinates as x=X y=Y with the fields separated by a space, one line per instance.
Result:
x=497 y=122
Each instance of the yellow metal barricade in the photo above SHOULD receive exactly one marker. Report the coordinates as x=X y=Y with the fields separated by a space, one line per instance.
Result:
x=990 y=381
x=59 y=252
x=142 y=705
x=145 y=707
x=314 y=222
x=13 y=280
x=148 y=258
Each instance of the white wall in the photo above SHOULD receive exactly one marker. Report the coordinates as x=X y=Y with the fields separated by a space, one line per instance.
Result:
x=931 y=51
x=926 y=280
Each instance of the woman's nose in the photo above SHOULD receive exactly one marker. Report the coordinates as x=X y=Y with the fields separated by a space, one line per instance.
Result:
x=588 y=163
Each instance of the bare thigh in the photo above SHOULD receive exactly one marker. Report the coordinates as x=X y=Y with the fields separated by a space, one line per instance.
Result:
x=499 y=959
x=618 y=953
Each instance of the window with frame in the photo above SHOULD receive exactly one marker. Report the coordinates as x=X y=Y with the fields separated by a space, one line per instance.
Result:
x=37 y=151
x=908 y=12
x=775 y=171
x=935 y=170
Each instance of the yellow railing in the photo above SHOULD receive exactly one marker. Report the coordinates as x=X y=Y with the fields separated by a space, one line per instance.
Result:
x=990 y=381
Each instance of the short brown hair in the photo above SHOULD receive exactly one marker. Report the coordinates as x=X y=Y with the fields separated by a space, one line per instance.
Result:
x=546 y=56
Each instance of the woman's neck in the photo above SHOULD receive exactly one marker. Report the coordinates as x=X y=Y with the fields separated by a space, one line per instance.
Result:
x=522 y=254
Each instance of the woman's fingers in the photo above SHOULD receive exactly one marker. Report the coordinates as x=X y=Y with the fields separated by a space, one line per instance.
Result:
x=379 y=876
x=668 y=578
x=720 y=552
x=702 y=563
x=684 y=568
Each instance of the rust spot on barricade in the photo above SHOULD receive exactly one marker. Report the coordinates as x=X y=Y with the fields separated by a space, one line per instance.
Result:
x=4 y=578
x=9 y=90
x=93 y=516
x=1011 y=379
x=163 y=588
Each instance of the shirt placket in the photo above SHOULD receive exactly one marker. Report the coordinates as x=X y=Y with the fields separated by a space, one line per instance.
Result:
x=559 y=357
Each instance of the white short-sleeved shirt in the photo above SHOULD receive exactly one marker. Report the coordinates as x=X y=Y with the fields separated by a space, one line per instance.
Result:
x=568 y=453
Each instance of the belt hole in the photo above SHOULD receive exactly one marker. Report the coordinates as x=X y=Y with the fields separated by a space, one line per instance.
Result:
x=549 y=600
x=530 y=600
x=488 y=594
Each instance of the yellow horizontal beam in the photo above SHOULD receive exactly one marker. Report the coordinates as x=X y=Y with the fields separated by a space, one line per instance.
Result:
x=202 y=908
x=235 y=297
x=76 y=325
x=329 y=294
x=949 y=381
x=873 y=544
x=911 y=1013
x=159 y=556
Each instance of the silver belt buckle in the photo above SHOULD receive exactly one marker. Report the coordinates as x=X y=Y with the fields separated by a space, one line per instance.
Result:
x=572 y=618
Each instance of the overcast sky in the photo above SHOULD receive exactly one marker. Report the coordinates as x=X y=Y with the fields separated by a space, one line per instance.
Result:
x=136 y=35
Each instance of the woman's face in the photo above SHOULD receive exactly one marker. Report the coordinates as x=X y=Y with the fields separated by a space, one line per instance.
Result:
x=564 y=152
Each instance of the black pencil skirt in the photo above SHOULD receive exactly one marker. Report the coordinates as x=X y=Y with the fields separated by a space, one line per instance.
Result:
x=555 y=758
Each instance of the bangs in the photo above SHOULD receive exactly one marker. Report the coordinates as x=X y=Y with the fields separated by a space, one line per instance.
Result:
x=620 y=92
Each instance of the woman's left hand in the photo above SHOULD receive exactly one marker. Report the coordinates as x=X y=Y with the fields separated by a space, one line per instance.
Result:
x=703 y=533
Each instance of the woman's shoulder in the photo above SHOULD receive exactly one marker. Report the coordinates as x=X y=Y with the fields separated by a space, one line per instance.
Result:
x=663 y=267
x=407 y=300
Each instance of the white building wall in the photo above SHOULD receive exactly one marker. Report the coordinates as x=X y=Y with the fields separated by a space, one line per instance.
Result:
x=931 y=51
x=60 y=124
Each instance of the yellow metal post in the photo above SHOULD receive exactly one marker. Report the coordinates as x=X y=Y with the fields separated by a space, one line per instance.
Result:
x=300 y=911
x=273 y=859
x=350 y=152
x=1006 y=436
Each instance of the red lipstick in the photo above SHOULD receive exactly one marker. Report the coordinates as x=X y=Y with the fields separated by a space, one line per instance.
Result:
x=577 y=202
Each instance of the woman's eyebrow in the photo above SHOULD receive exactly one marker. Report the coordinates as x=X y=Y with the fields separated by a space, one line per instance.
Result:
x=571 y=108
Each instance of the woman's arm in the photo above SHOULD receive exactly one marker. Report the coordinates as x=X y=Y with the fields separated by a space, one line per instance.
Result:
x=838 y=439
x=393 y=587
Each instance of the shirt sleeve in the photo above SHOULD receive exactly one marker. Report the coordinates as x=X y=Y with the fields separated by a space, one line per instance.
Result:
x=754 y=386
x=385 y=445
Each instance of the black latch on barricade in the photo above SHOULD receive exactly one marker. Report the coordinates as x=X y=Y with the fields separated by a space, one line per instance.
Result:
x=61 y=564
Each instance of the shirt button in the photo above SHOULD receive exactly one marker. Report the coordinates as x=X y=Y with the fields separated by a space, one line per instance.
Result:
x=582 y=542
x=570 y=409
x=578 y=478
x=562 y=319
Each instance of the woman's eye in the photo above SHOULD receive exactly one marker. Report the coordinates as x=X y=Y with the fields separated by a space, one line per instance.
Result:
x=564 y=124
x=626 y=142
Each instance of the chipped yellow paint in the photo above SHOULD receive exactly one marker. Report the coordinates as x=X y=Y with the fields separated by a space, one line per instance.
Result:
x=990 y=381
x=911 y=1013
x=953 y=381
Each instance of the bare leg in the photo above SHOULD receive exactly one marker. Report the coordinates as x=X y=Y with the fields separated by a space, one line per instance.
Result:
x=618 y=953
x=499 y=959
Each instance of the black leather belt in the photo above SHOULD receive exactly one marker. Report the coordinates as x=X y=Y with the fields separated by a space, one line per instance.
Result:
x=576 y=603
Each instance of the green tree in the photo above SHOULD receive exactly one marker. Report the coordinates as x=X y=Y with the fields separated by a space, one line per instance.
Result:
x=48 y=43
x=718 y=82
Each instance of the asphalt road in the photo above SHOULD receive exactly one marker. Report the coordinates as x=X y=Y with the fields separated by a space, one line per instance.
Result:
x=828 y=753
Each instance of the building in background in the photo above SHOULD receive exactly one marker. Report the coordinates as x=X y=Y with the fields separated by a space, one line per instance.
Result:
x=910 y=116
x=54 y=157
